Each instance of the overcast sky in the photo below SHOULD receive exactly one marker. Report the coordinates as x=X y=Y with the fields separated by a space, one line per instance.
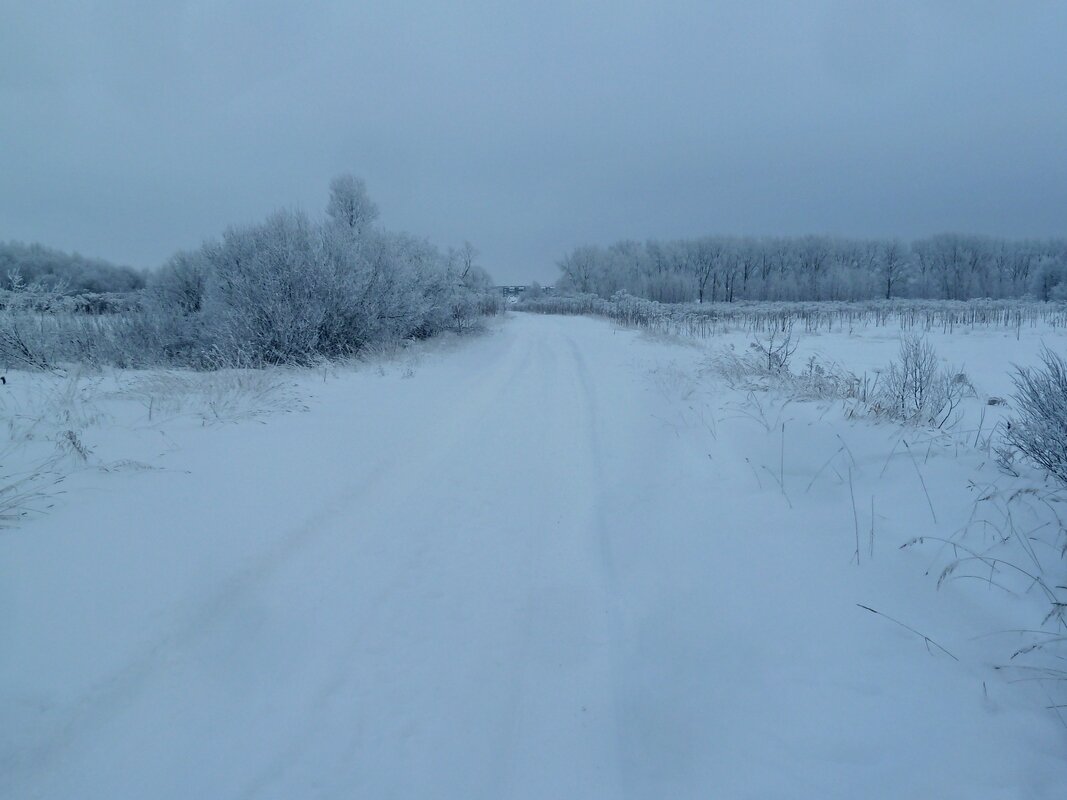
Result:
x=132 y=129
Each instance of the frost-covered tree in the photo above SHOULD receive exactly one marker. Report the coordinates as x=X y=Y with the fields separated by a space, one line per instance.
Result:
x=579 y=270
x=350 y=207
x=1050 y=278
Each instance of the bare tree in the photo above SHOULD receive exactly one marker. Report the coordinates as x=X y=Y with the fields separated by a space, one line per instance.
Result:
x=892 y=265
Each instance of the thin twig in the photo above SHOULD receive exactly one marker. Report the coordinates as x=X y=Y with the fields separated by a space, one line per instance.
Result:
x=871 y=546
x=855 y=515
x=824 y=466
x=923 y=636
x=929 y=502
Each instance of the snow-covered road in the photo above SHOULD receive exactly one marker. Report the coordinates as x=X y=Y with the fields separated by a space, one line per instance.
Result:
x=540 y=564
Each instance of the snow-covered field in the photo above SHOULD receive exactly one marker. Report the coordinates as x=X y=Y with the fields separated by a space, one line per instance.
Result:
x=561 y=560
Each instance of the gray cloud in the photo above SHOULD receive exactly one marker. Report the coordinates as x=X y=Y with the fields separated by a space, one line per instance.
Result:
x=131 y=129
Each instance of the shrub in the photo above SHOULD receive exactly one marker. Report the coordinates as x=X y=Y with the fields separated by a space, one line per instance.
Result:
x=180 y=284
x=1040 y=430
x=775 y=349
x=765 y=365
x=914 y=388
x=264 y=299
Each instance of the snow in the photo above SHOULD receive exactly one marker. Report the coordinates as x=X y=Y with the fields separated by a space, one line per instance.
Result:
x=551 y=561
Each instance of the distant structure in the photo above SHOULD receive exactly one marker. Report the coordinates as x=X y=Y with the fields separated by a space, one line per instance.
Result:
x=516 y=291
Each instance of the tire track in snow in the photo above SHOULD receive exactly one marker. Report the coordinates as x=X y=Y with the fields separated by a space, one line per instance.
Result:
x=343 y=675
x=566 y=714
x=313 y=752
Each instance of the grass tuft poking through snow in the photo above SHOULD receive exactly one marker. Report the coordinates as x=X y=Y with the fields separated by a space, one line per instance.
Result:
x=222 y=396
x=58 y=423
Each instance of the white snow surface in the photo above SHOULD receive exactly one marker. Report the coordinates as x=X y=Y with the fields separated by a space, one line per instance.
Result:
x=553 y=561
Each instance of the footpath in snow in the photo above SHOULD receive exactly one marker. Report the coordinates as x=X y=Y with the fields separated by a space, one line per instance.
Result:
x=554 y=561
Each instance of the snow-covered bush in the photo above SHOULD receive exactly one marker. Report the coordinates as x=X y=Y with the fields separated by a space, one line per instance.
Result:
x=1040 y=430
x=264 y=302
x=180 y=284
x=916 y=388
x=21 y=341
x=289 y=290
x=765 y=365
x=42 y=329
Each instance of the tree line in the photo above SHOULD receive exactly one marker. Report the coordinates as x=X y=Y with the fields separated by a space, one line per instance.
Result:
x=74 y=273
x=726 y=269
